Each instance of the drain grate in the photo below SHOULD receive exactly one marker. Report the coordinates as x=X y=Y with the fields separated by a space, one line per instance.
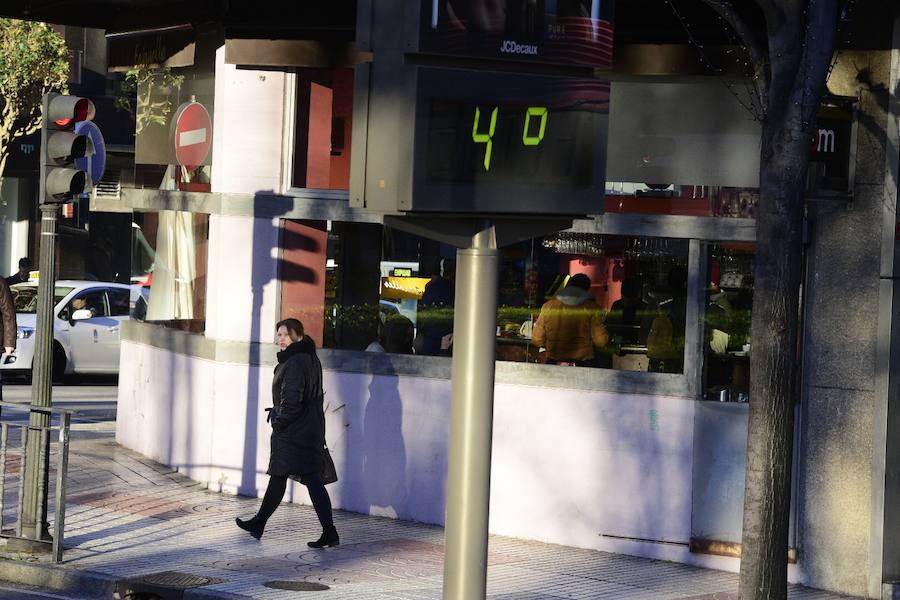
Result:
x=165 y=585
x=296 y=586
x=174 y=579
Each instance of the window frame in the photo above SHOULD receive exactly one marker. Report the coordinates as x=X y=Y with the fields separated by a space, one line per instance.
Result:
x=288 y=148
x=698 y=231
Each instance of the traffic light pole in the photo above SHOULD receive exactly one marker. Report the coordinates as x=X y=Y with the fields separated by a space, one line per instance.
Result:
x=61 y=180
x=34 y=502
x=471 y=418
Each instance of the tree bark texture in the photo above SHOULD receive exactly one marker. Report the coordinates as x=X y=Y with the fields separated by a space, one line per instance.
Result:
x=776 y=293
x=801 y=37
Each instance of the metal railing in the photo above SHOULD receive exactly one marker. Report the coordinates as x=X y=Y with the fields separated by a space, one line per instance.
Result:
x=62 y=465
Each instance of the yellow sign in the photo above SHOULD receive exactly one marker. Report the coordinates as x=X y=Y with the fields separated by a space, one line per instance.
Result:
x=403 y=288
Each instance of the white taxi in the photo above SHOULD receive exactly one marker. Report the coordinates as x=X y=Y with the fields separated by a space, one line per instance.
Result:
x=87 y=321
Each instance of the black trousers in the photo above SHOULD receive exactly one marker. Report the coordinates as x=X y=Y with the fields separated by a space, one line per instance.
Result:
x=317 y=493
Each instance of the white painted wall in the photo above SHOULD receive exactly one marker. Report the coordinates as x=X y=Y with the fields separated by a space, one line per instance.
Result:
x=165 y=409
x=241 y=307
x=248 y=126
x=569 y=467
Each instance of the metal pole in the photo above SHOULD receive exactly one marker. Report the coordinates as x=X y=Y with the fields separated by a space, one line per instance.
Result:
x=20 y=501
x=61 y=470
x=4 y=442
x=35 y=503
x=471 y=419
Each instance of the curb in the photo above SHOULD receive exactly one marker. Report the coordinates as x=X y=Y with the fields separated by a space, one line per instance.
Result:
x=86 y=583
x=58 y=579
x=202 y=594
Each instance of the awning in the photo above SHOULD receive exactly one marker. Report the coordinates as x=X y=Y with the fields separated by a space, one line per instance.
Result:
x=291 y=53
x=164 y=47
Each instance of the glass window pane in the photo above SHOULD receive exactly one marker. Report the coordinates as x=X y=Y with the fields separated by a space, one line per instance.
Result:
x=118 y=302
x=597 y=301
x=25 y=297
x=323 y=119
x=729 y=305
x=94 y=301
x=169 y=263
x=383 y=290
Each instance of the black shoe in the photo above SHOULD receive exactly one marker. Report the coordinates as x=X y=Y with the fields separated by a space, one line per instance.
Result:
x=329 y=539
x=254 y=526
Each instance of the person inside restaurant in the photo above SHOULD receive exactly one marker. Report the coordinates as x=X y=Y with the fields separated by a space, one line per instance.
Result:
x=629 y=317
x=570 y=325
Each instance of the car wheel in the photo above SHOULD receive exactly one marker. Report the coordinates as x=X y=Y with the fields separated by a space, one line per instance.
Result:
x=59 y=365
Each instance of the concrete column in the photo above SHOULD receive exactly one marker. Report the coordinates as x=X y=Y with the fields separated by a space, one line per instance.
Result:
x=842 y=409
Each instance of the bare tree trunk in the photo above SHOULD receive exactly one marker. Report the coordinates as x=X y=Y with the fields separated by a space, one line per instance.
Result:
x=773 y=362
x=801 y=40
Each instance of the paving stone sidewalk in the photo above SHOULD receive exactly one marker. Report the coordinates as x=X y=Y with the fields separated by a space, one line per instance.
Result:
x=129 y=516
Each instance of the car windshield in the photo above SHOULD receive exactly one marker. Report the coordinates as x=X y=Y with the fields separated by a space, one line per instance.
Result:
x=25 y=297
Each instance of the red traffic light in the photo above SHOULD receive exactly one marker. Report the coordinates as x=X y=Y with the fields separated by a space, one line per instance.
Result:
x=68 y=110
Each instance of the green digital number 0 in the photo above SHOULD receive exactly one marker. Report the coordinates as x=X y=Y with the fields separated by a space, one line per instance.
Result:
x=486 y=138
x=534 y=111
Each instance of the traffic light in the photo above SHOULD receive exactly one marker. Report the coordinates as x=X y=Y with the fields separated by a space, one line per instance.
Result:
x=61 y=146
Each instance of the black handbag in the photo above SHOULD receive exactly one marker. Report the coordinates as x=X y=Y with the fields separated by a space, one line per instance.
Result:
x=327 y=473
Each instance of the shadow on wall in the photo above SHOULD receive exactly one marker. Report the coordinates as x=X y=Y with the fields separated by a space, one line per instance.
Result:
x=264 y=235
x=384 y=452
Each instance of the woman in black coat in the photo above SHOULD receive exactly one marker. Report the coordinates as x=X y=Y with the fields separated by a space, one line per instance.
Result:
x=298 y=432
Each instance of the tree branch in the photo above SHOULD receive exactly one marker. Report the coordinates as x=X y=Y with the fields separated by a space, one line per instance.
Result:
x=726 y=10
x=33 y=126
x=758 y=53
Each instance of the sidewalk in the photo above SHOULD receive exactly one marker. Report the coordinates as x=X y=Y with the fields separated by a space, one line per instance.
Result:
x=129 y=517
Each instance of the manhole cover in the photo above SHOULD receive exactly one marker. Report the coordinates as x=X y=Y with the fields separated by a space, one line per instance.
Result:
x=296 y=586
x=174 y=579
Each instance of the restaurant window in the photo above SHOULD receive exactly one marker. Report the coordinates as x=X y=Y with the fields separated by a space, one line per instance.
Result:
x=361 y=286
x=631 y=290
x=729 y=304
x=169 y=263
x=322 y=126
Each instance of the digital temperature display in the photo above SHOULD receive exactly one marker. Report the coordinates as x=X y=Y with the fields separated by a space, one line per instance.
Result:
x=450 y=141
x=543 y=133
x=472 y=141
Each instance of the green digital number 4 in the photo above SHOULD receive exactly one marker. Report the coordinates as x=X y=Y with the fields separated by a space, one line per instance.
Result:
x=485 y=138
x=527 y=140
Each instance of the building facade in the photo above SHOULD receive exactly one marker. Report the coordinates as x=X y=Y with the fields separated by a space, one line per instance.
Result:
x=642 y=452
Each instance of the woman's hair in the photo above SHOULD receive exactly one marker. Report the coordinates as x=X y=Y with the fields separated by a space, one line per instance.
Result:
x=292 y=325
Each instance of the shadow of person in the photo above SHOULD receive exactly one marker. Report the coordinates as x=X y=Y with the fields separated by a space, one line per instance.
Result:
x=384 y=453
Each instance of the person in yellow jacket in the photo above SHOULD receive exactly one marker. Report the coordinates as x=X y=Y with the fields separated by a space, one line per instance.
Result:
x=570 y=325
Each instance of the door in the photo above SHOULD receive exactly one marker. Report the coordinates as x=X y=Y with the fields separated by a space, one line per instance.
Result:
x=87 y=337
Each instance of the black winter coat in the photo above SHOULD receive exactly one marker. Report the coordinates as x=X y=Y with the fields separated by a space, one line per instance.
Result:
x=298 y=417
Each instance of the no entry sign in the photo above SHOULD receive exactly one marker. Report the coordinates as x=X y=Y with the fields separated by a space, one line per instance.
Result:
x=193 y=134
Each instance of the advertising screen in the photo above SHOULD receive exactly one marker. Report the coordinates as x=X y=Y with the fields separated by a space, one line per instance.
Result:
x=572 y=32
